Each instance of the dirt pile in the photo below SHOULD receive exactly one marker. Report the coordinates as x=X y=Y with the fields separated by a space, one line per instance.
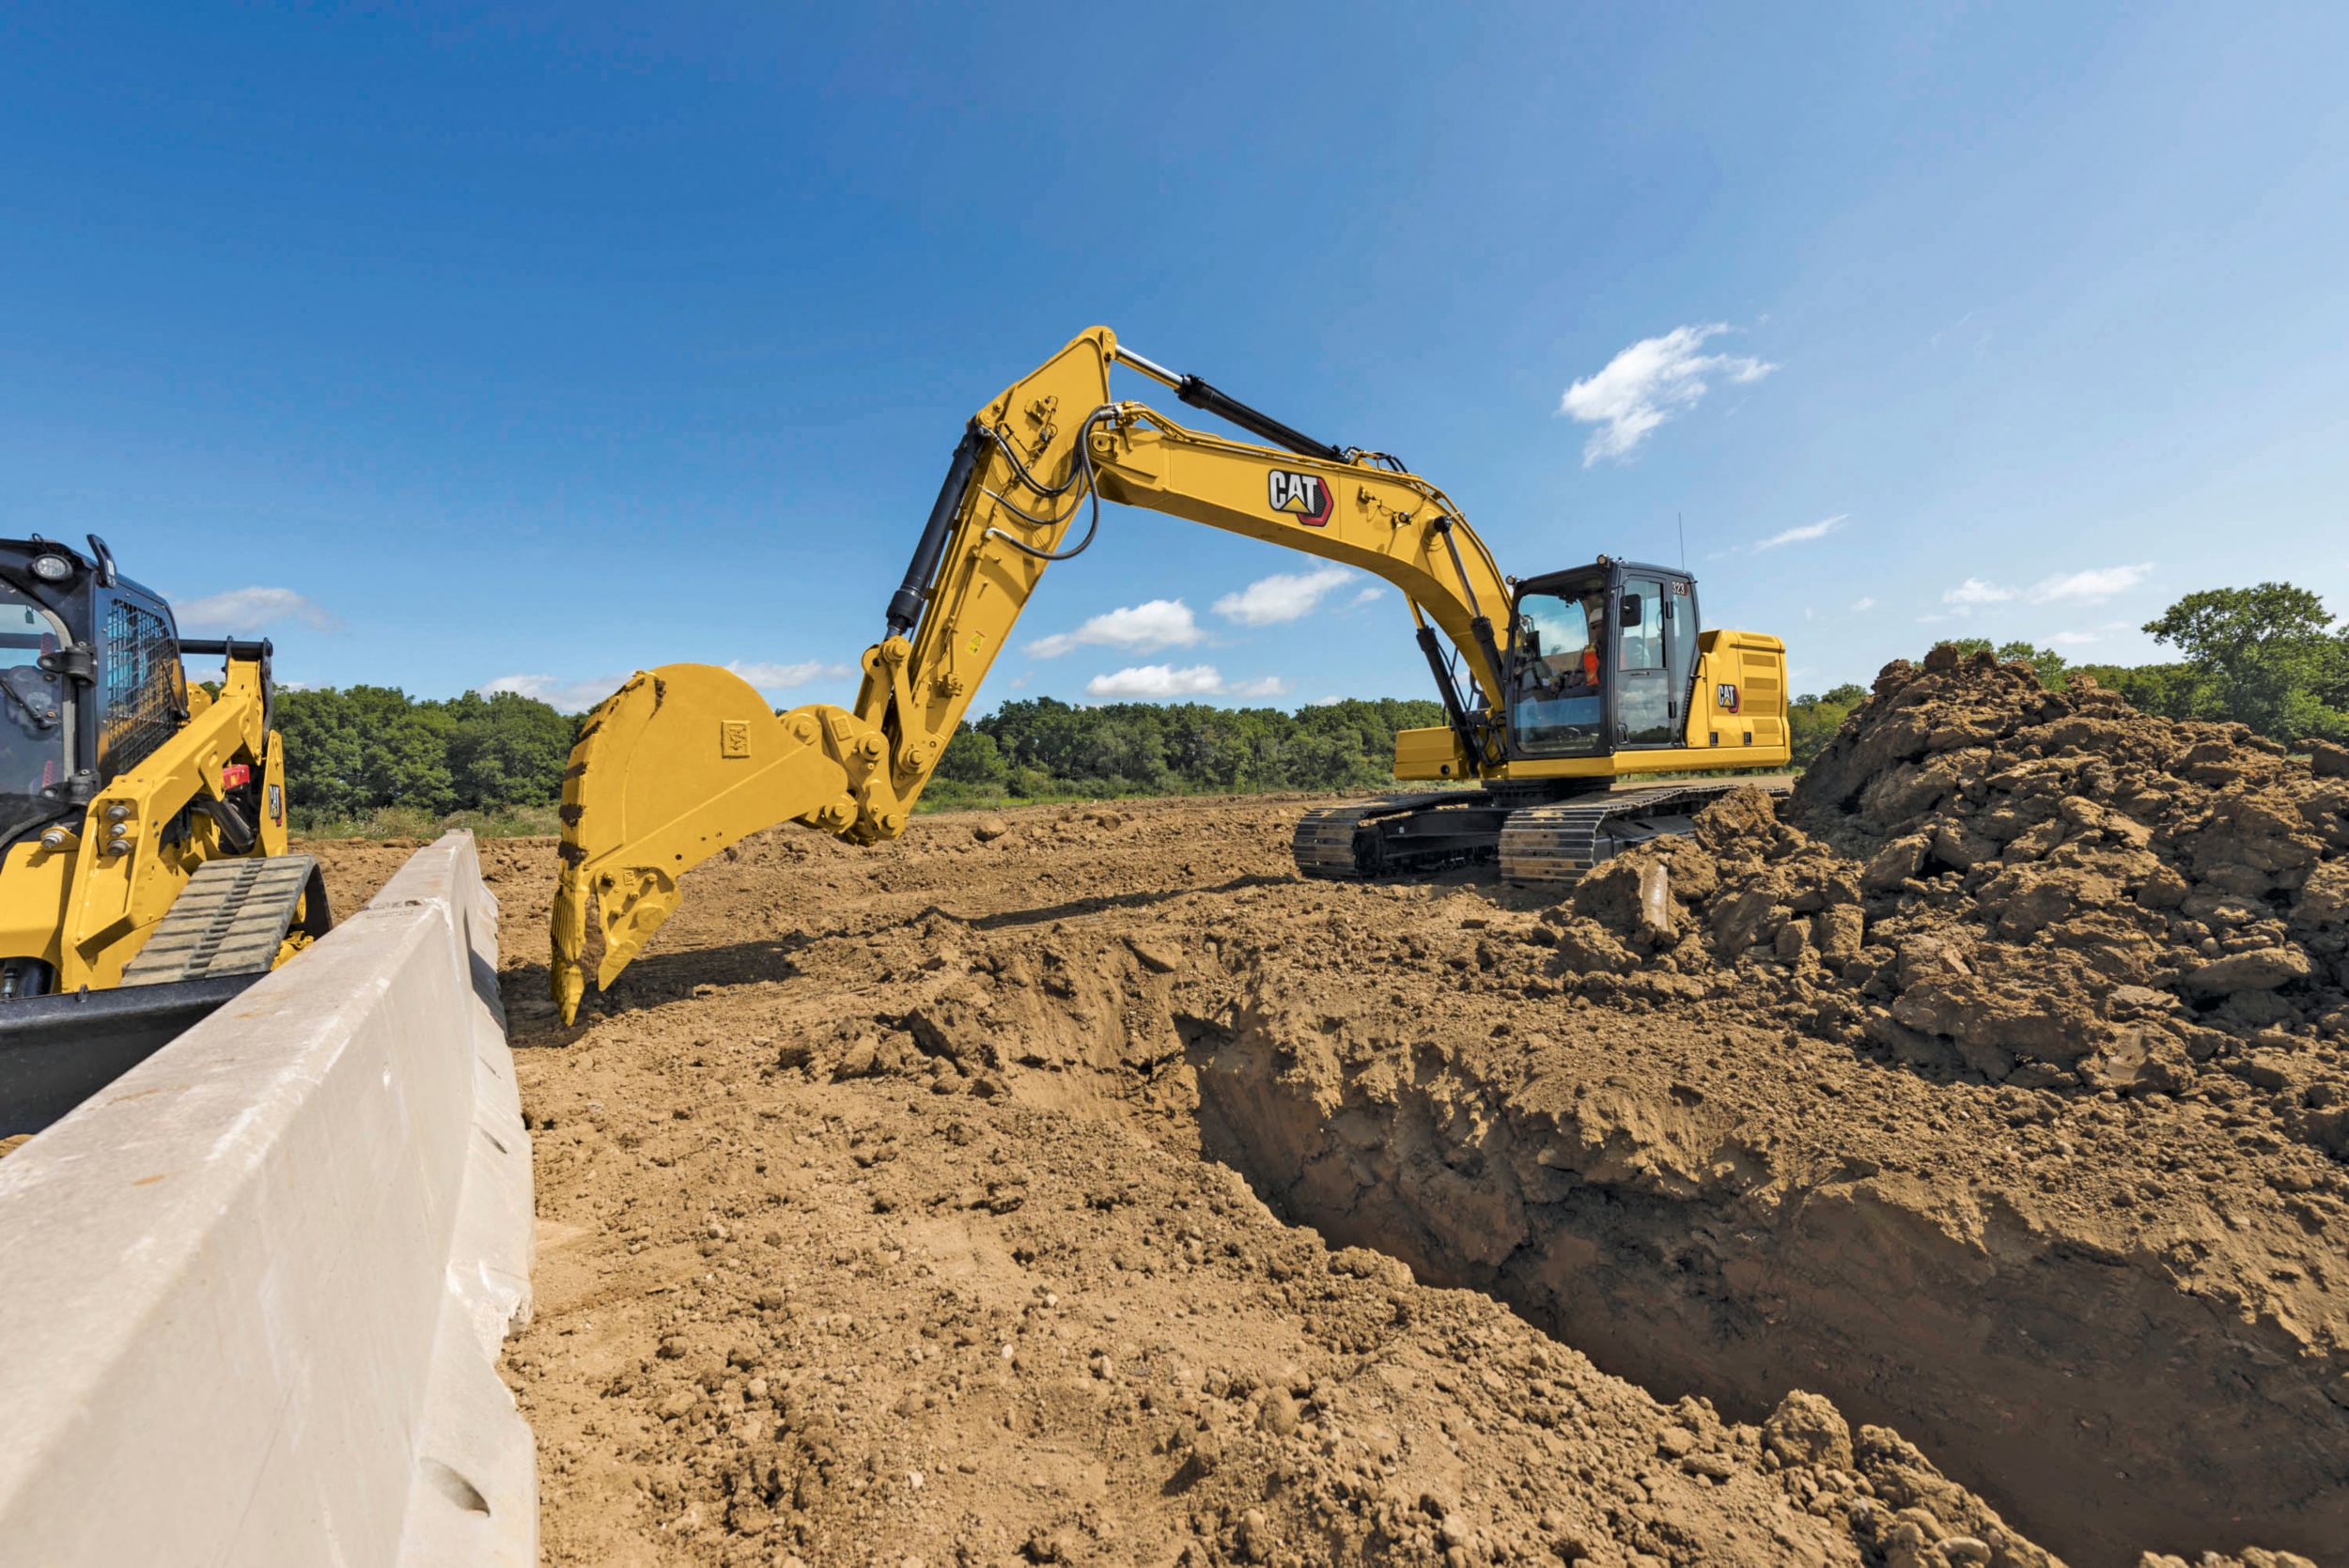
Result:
x=2047 y=889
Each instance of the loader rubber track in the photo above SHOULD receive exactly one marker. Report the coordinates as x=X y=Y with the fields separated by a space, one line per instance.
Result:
x=1558 y=845
x=230 y=919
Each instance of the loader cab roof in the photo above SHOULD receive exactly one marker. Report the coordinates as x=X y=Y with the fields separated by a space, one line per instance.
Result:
x=91 y=676
x=68 y=587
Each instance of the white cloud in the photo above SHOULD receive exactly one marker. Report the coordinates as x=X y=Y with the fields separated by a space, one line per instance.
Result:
x=1371 y=595
x=1325 y=702
x=770 y=678
x=2075 y=639
x=1146 y=682
x=1975 y=591
x=1282 y=596
x=1863 y=602
x=1162 y=623
x=579 y=695
x=250 y=610
x=564 y=696
x=1819 y=530
x=2092 y=586
x=1647 y=385
x=1157 y=680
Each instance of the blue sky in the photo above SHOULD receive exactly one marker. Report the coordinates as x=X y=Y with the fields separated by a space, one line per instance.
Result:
x=453 y=346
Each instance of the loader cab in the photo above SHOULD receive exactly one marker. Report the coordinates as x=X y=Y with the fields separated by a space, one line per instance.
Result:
x=90 y=679
x=1600 y=660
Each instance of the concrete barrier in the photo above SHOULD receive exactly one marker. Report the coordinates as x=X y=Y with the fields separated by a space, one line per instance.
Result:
x=252 y=1294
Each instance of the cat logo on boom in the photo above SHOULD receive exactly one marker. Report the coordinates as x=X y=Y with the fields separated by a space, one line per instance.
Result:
x=1305 y=496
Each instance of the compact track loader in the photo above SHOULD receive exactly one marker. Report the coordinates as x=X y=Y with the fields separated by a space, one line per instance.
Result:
x=144 y=877
x=1579 y=683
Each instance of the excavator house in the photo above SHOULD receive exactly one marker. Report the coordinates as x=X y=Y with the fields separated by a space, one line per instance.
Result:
x=1569 y=696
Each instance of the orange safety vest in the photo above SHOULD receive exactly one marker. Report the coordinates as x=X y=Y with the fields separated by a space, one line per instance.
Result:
x=1590 y=665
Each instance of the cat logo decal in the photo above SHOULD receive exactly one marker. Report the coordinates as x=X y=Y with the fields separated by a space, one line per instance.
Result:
x=1303 y=496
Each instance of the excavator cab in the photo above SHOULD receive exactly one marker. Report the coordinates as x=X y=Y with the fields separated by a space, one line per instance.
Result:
x=1601 y=659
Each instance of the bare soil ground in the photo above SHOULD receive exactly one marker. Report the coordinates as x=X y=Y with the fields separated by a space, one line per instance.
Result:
x=1078 y=1185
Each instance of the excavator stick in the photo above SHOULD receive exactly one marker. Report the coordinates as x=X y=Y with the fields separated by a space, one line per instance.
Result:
x=672 y=768
x=687 y=759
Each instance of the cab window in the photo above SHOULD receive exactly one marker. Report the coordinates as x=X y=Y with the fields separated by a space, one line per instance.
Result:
x=1643 y=627
x=1558 y=650
x=35 y=734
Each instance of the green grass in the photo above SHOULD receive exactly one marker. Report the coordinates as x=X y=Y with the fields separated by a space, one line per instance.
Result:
x=971 y=798
x=408 y=822
x=967 y=798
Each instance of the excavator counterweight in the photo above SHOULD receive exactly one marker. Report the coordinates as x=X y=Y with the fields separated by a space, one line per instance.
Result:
x=1553 y=689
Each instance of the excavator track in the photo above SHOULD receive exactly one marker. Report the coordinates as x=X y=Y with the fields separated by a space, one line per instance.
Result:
x=230 y=919
x=1331 y=843
x=1558 y=845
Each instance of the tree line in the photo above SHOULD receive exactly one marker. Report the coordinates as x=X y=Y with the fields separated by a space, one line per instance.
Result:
x=1042 y=747
x=357 y=752
x=2268 y=657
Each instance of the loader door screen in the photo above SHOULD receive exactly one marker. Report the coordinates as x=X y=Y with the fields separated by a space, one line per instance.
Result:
x=140 y=686
x=1558 y=666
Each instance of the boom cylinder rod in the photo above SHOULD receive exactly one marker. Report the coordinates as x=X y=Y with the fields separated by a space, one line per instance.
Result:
x=905 y=605
x=1199 y=395
x=1454 y=713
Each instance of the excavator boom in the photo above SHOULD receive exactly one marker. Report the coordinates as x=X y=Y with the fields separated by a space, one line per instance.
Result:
x=687 y=759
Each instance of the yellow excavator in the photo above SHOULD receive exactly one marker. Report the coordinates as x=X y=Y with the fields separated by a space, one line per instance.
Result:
x=1577 y=680
x=144 y=873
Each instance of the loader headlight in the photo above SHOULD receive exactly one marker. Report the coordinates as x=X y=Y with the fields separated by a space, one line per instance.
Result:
x=52 y=569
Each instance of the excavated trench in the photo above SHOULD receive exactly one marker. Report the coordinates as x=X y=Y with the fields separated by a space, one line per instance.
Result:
x=1693 y=1240
x=2102 y=1411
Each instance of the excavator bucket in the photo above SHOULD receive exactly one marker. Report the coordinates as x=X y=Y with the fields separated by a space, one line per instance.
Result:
x=675 y=766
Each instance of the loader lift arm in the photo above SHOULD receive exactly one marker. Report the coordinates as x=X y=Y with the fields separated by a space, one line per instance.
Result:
x=688 y=759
